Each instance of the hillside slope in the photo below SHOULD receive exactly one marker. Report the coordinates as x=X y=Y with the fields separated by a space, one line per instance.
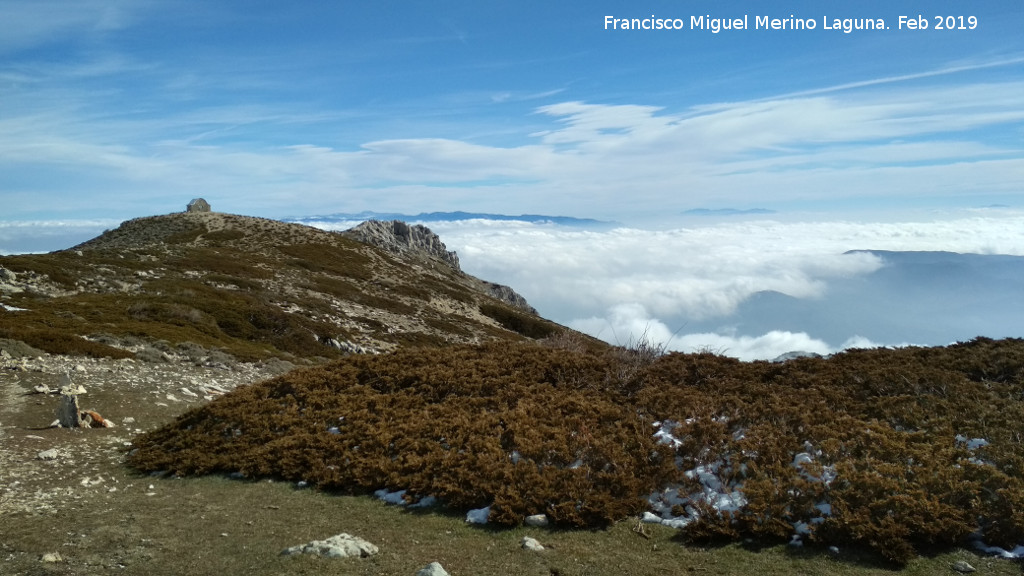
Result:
x=251 y=287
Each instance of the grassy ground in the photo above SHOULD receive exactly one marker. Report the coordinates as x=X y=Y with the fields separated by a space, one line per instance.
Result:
x=214 y=525
x=219 y=526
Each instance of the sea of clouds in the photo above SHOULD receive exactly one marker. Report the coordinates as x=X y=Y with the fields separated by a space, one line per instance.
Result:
x=681 y=288
x=687 y=288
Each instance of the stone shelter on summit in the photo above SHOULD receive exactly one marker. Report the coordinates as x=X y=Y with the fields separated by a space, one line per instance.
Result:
x=198 y=205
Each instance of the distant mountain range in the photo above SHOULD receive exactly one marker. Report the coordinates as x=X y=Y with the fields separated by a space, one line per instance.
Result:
x=727 y=212
x=451 y=217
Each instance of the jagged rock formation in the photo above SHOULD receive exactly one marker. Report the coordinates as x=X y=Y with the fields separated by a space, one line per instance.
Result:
x=508 y=295
x=404 y=239
x=401 y=238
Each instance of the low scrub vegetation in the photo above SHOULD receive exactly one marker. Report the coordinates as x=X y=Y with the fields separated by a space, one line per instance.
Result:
x=901 y=451
x=252 y=287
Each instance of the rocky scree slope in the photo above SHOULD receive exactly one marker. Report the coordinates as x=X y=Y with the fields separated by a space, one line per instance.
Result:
x=253 y=288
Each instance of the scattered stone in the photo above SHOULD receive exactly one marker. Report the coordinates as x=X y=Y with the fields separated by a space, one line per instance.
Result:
x=433 y=569
x=50 y=454
x=537 y=520
x=531 y=544
x=51 y=557
x=345 y=346
x=188 y=392
x=339 y=546
x=963 y=567
x=75 y=390
x=42 y=389
x=79 y=368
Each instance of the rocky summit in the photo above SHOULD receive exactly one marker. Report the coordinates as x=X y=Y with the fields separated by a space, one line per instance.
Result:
x=254 y=289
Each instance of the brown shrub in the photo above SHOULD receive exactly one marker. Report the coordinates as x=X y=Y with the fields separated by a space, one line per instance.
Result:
x=530 y=429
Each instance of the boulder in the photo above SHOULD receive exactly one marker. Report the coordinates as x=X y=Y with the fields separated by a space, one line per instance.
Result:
x=963 y=567
x=68 y=413
x=432 y=569
x=537 y=520
x=531 y=544
x=339 y=546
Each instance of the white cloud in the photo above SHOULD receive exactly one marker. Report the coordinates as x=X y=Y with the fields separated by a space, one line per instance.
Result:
x=623 y=283
x=34 y=22
x=599 y=160
x=630 y=324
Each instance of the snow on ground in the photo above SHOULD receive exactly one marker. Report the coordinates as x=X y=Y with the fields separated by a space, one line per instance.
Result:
x=716 y=494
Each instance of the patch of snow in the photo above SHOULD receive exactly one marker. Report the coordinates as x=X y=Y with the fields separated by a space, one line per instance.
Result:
x=425 y=502
x=397 y=497
x=1017 y=552
x=972 y=443
x=478 y=516
x=664 y=433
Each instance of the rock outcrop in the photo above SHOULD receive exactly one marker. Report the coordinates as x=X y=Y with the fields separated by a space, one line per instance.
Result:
x=508 y=295
x=401 y=238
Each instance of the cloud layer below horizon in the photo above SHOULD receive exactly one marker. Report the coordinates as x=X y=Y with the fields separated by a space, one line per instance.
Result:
x=624 y=284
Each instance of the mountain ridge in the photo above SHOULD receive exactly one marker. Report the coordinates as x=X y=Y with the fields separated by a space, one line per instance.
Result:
x=254 y=287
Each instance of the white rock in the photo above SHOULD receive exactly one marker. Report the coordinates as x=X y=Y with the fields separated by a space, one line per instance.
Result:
x=531 y=544
x=51 y=557
x=537 y=520
x=50 y=454
x=528 y=543
x=72 y=389
x=340 y=546
x=79 y=368
x=963 y=567
x=188 y=392
x=433 y=569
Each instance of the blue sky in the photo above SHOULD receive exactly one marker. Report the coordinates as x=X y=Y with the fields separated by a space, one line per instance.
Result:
x=874 y=139
x=125 y=108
